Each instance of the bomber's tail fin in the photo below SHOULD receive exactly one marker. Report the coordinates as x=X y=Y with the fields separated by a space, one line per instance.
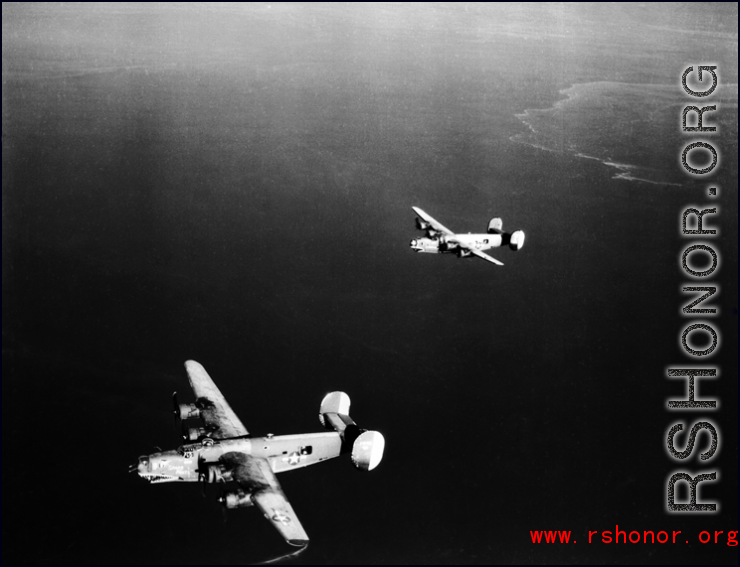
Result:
x=366 y=446
x=496 y=226
x=334 y=412
x=517 y=240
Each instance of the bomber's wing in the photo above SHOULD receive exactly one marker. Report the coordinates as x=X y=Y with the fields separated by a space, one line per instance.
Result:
x=485 y=256
x=436 y=225
x=481 y=255
x=253 y=474
x=217 y=415
x=475 y=251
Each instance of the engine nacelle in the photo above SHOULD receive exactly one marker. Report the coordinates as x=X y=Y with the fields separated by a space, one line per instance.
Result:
x=496 y=226
x=422 y=225
x=194 y=433
x=462 y=253
x=517 y=240
x=188 y=411
x=213 y=473
x=236 y=499
x=367 y=450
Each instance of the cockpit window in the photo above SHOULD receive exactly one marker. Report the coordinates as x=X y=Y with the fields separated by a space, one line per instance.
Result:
x=188 y=451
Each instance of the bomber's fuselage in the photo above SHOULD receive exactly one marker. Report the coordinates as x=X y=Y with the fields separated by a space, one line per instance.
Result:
x=441 y=243
x=283 y=452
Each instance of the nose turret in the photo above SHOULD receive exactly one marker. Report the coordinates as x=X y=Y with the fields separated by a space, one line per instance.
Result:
x=143 y=463
x=167 y=466
x=142 y=466
x=425 y=245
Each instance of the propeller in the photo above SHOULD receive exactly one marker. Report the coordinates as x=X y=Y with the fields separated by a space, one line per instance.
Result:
x=202 y=475
x=209 y=474
x=222 y=500
x=175 y=409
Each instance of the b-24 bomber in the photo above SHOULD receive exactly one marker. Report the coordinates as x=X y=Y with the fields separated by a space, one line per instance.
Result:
x=221 y=451
x=440 y=239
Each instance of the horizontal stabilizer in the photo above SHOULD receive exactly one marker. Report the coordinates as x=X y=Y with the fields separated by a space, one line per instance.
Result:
x=366 y=446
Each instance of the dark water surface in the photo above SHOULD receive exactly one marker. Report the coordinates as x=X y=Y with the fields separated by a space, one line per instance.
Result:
x=233 y=183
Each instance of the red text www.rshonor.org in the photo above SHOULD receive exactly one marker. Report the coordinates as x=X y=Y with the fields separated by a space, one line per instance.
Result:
x=622 y=536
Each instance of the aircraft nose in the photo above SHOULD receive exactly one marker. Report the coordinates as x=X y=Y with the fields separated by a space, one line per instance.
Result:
x=413 y=243
x=141 y=467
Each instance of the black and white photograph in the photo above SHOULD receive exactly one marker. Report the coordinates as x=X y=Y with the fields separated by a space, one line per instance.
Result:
x=369 y=283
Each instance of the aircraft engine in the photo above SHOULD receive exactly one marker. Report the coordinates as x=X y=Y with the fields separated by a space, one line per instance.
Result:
x=496 y=226
x=212 y=473
x=189 y=411
x=517 y=240
x=184 y=411
x=236 y=499
x=462 y=253
x=194 y=433
x=367 y=450
x=422 y=225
